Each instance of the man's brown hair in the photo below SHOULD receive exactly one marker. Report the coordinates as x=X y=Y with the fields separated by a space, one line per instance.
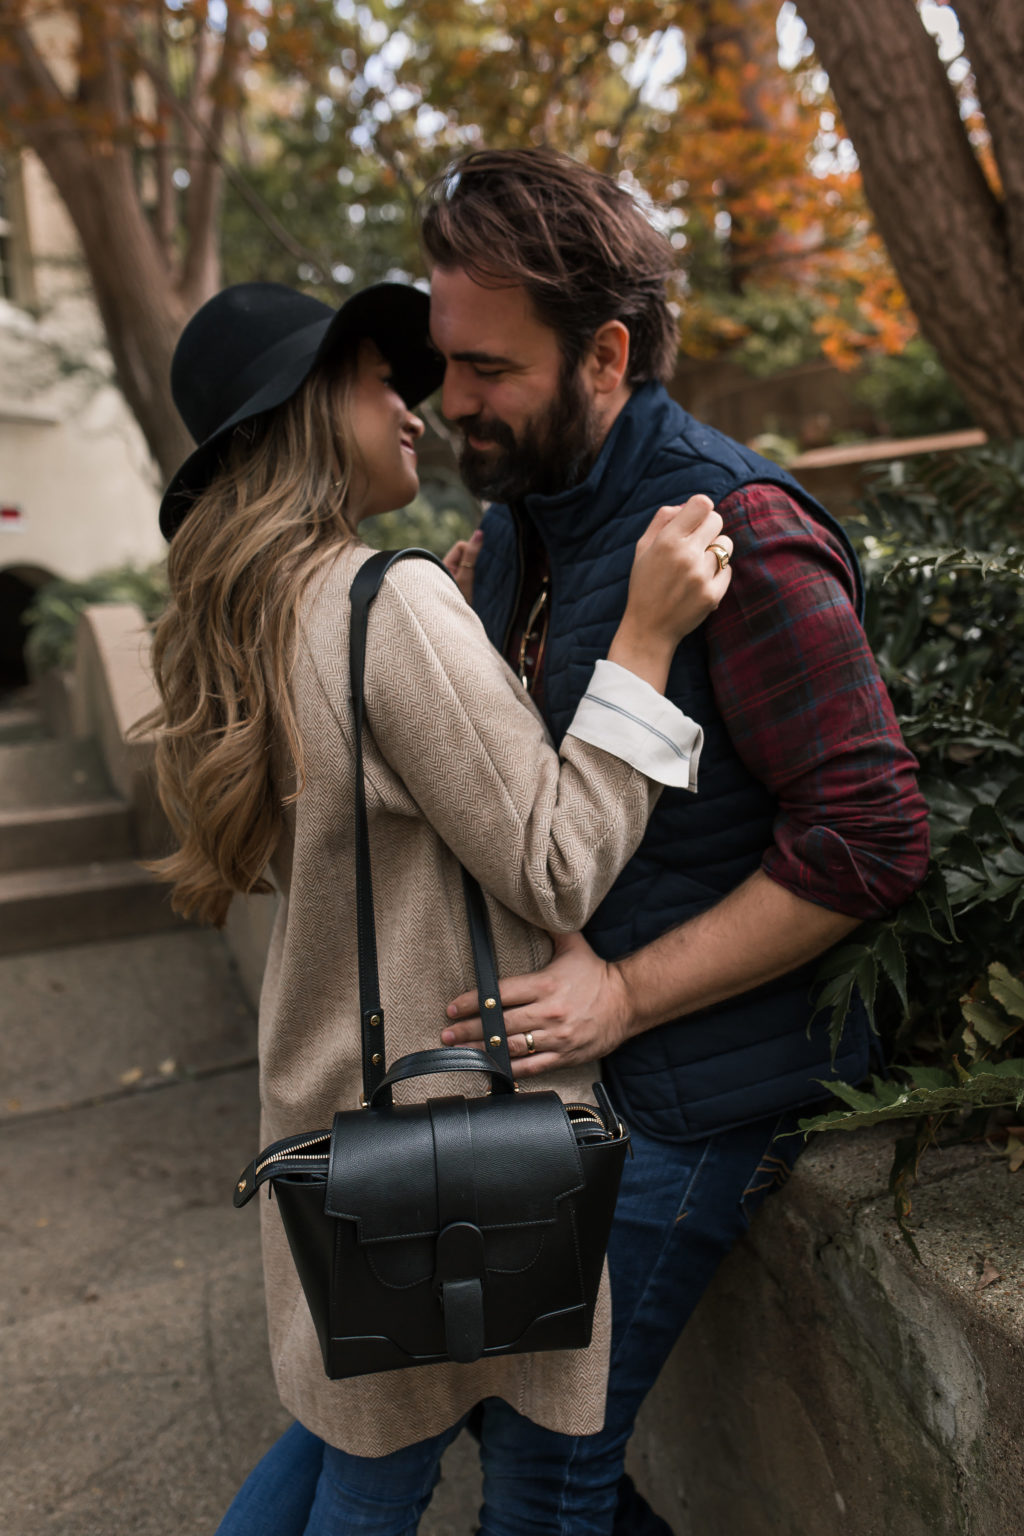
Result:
x=577 y=243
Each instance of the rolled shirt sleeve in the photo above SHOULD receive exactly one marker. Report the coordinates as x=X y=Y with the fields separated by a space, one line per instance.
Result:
x=625 y=716
x=809 y=714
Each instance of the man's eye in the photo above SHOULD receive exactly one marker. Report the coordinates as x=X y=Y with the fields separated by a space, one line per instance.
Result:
x=488 y=373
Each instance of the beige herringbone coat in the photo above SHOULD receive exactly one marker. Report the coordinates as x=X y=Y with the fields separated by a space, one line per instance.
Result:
x=458 y=766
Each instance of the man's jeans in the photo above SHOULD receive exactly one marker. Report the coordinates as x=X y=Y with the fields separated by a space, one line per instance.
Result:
x=680 y=1210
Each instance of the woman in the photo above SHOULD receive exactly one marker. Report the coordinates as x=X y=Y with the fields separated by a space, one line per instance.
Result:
x=305 y=428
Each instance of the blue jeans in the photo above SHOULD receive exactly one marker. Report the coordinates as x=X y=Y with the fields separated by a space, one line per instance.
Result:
x=680 y=1210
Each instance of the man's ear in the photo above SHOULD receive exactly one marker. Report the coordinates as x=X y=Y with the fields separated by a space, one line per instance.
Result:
x=607 y=358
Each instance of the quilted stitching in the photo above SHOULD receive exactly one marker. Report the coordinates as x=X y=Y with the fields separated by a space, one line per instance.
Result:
x=697 y=847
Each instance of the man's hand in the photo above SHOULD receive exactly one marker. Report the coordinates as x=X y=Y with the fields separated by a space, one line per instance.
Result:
x=461 y=562
x=575 y=1010
x=580 y=1007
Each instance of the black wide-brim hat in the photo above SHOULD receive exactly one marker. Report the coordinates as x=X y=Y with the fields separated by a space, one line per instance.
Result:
x=252 y=347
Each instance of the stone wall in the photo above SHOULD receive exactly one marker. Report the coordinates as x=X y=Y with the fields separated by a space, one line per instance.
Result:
x=73 y=460
x=829 y=1383
x=111 y=689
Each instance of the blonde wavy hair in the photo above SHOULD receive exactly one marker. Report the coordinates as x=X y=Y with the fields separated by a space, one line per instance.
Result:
x=270 y=519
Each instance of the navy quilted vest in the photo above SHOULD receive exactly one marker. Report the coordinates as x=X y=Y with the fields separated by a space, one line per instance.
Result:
x=751 y=1056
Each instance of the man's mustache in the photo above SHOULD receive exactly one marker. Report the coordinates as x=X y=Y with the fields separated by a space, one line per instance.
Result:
x=486 y=431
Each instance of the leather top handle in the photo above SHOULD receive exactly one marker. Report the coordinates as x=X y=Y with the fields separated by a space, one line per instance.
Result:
x=442 y=1058
x=495 y=1057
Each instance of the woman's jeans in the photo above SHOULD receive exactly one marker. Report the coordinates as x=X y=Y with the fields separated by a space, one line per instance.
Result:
x=680 y=1209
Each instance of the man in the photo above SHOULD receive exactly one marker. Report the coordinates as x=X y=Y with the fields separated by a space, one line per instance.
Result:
x=692 y=983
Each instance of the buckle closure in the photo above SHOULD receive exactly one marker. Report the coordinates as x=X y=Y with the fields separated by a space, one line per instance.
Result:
x=458 y=1284
x=459 y=1254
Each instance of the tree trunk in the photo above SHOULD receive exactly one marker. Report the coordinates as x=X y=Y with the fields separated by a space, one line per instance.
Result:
x=953 y=241
x=142 y=301
x=994 y=36
x=139 y=305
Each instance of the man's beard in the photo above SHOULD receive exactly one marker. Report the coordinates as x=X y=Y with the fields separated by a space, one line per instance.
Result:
x=554 y=451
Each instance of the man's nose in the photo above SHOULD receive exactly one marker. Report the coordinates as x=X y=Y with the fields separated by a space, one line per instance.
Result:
x=458 y=397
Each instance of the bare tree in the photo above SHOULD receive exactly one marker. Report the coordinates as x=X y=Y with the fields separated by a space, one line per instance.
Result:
x=953 y=226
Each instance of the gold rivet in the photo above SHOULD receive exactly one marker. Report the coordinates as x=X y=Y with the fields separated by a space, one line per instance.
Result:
x=377 y=1058
x=374 y=1019
x=241 y=1184
x=495 y=1040
x=490 y=1002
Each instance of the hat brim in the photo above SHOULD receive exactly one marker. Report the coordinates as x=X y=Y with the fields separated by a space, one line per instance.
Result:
x=394 y=315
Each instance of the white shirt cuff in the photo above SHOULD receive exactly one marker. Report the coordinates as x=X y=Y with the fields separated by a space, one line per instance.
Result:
x=628 y=718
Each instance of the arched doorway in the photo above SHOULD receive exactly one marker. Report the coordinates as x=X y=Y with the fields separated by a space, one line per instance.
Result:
x=18 y=587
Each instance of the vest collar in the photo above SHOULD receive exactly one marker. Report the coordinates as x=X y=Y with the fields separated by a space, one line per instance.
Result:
x=649 y=418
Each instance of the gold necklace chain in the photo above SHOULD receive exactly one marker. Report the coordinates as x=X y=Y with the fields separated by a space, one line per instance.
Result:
x=539 y=607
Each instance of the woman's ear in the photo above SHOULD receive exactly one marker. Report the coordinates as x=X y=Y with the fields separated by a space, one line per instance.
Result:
x=607 y=357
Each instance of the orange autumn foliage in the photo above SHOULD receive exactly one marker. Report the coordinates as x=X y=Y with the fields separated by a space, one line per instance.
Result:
x=685 y=99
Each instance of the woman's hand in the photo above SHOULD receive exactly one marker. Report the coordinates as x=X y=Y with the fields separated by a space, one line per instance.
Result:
x=461 y=562
x=680 y=575
x=677 y=579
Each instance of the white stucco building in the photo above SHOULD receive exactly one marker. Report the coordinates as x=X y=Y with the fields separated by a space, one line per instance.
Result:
x=78 y=488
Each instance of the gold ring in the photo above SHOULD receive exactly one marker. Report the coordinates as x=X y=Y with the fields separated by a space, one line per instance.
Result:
x=530 y=1047
x=721 y=554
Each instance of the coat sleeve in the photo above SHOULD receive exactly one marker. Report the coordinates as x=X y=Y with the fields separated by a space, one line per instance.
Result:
x=544 y=832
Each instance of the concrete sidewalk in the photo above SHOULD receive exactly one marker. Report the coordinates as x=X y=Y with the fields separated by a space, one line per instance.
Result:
x=137 y=1390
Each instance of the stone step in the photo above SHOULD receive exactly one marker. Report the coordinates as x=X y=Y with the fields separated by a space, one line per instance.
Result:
x=20 y=724
x=51 y=773
x=76 y=904
x=45 y=836
x=88 y=1020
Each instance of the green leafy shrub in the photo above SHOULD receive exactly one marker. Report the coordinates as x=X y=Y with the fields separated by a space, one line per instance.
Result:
x=777 y=329
x=910 y=394
x=943 y=548
x=53 y=616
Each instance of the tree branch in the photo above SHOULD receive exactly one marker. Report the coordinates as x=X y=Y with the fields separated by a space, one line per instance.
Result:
x=944 y=228
x=295 y=248
x=201 y=269
x=994 y=39
x=33 y=78
x=163 y=160
x=394 y=160
x=630 y=109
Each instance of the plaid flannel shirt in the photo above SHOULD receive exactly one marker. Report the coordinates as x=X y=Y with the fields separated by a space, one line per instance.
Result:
x=809 y=714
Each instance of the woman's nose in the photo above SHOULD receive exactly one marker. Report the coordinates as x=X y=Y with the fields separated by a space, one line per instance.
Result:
x=415 y=425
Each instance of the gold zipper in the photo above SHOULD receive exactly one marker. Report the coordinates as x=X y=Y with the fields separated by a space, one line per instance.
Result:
x=588 y=1112
x=583 y=1112
x=297 y=1153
